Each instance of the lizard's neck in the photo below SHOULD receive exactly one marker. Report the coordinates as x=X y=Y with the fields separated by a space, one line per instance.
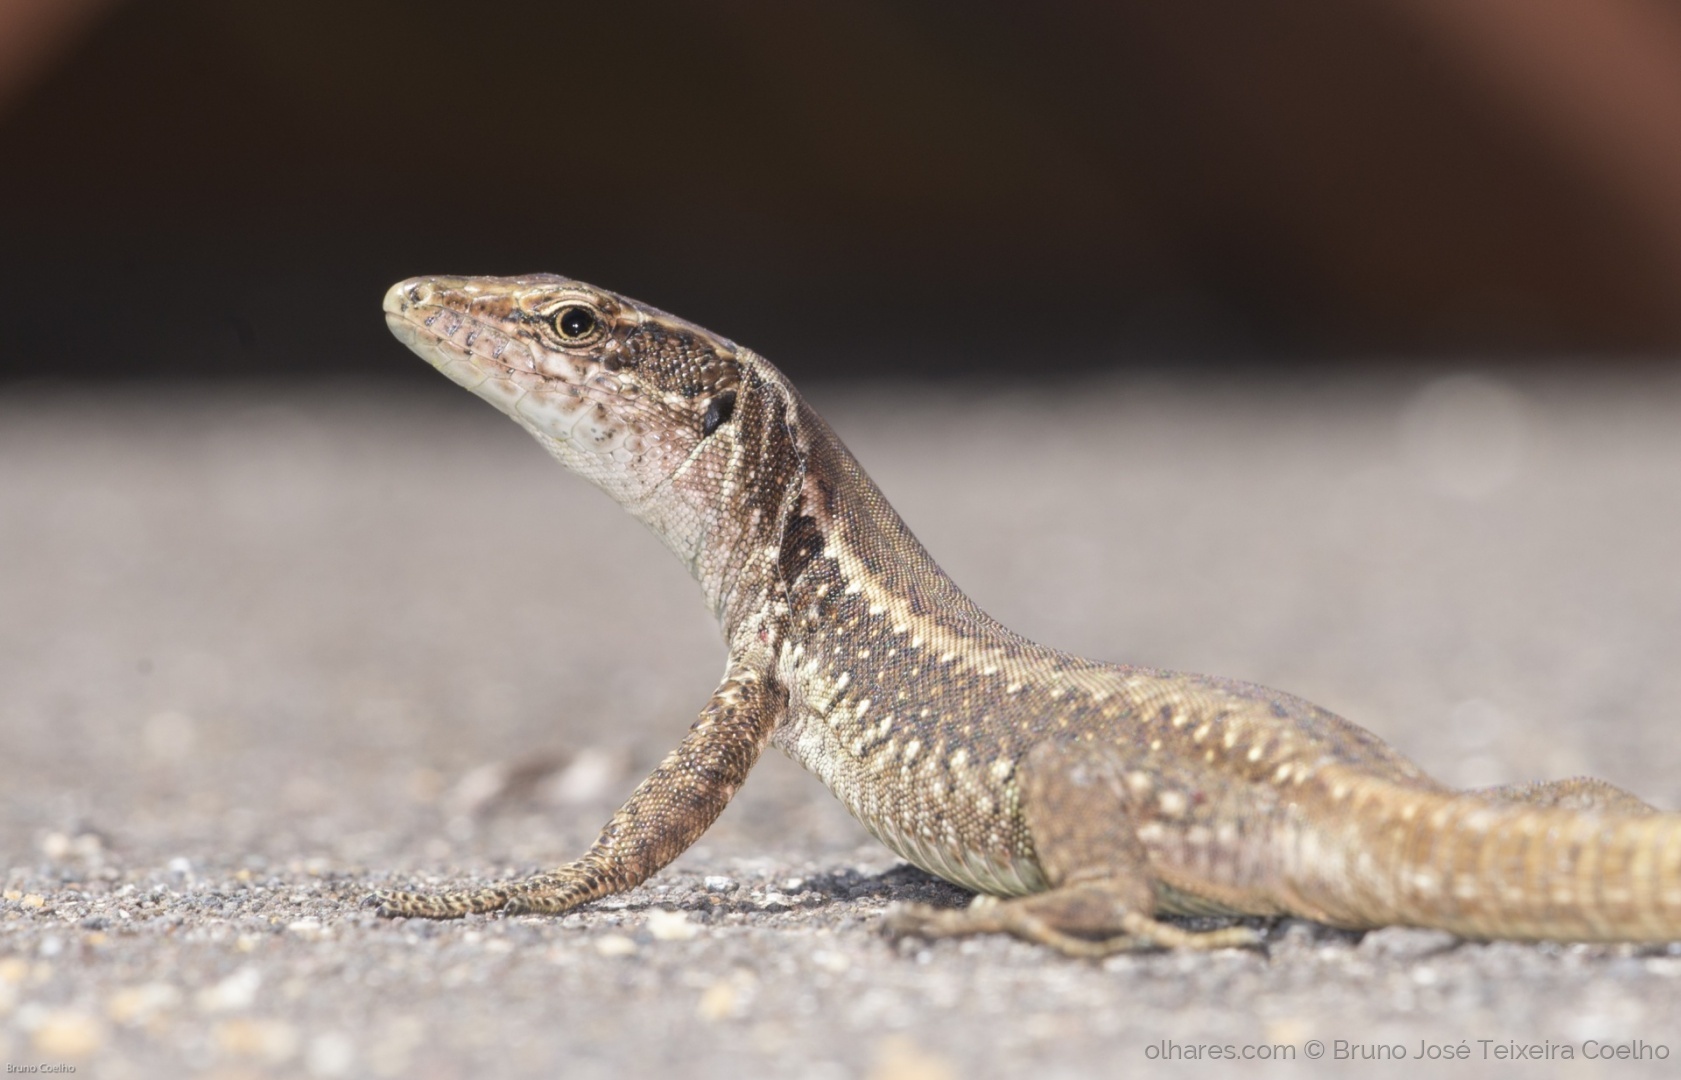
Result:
x=725 y=511
x=758 y=517
x=843 y=539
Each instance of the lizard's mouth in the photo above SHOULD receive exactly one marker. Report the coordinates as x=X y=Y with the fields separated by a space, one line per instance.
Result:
x=459 y=365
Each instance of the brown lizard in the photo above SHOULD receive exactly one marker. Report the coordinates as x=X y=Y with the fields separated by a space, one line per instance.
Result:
x=1091 y=797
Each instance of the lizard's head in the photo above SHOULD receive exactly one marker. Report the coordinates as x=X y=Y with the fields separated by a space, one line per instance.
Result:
x=624 y=395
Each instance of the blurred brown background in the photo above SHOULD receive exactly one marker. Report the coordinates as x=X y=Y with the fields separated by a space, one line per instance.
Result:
x=227 y=186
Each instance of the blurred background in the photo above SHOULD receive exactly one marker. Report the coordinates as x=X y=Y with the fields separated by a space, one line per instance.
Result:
x=1369 y=311
x=226 y=187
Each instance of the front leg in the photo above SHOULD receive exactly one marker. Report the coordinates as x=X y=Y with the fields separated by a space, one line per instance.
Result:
x=664 y=815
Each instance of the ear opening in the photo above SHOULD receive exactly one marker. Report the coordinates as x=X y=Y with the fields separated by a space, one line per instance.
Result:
x=718 y=413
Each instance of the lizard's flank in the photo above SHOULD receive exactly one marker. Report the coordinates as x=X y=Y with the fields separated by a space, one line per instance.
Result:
x=1090 y=797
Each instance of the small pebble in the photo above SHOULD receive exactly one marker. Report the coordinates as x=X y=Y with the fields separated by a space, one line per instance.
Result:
x=68 y=1034
x=615 y=945
x=330 y=1054
x=671 y=925
x=139 y=1004
x=233 y=993
x=270 y=1041
x=717 y=1002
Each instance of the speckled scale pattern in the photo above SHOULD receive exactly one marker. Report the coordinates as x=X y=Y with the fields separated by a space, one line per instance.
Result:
x=1092 y=796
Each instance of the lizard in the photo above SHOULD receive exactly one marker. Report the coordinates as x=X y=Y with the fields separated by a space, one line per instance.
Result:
x=1083 y=800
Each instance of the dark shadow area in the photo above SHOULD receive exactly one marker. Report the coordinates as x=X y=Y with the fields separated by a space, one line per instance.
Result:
x=200 y=187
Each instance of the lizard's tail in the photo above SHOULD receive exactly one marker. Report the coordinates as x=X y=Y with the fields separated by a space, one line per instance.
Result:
x=1489 y=869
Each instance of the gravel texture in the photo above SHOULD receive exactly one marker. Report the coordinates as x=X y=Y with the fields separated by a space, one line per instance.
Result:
x=264 y=648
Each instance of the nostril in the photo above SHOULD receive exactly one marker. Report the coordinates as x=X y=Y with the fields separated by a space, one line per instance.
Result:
x=400 y=297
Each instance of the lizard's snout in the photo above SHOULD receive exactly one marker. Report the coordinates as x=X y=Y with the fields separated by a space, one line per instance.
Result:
x=414 y=316
x=399 y=299
x=412 y=293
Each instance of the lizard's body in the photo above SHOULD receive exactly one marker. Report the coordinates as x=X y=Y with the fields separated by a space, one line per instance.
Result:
x=1094 y=794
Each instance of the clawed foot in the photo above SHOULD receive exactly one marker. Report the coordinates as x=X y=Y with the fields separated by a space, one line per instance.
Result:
x=1018 y=918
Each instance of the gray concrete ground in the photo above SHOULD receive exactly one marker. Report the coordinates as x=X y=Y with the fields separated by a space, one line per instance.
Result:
x=264 y=649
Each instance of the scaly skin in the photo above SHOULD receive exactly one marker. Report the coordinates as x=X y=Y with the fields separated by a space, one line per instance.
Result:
x=1091 y=796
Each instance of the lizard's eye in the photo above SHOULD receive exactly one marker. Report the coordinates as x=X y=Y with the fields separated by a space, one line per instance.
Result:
x=576 y=324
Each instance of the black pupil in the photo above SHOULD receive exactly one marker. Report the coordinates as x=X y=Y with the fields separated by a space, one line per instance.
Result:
x=575 y=322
